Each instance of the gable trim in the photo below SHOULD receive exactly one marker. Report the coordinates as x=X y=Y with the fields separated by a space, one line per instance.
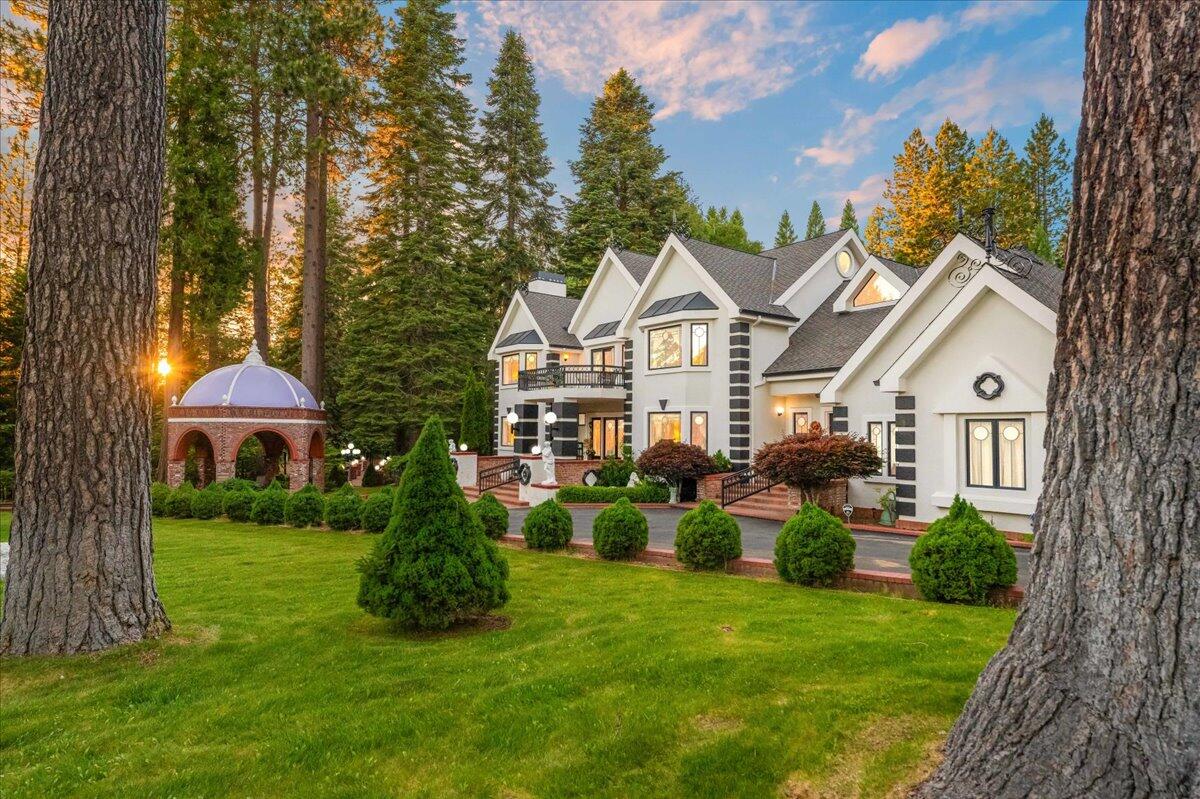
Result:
x=589 y=293
x=512 y=306
x=674 y=244
x=850 y=237
x=860 y=279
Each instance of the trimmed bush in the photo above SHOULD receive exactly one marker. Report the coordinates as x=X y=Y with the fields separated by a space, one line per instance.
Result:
x=377 y=510
x=675 y=462
x=434 y=566
x=160 y=497
x=492 y=515
x=238 y=484
x=813 y=548
x=179 y=504
x=305 y=508
x=707 y=537
x=614 y=472
x=548 y=526
x=721 y=462
x=207 y=504
x=620 y=531
x=961 y=557
x=642 y=492
x=343 y=508
x=238 y=505
x=269 y=504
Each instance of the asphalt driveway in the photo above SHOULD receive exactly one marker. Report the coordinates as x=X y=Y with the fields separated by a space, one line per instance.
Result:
x=874 y=551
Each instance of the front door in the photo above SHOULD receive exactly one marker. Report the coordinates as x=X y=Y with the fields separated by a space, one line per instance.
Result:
x=606 y=436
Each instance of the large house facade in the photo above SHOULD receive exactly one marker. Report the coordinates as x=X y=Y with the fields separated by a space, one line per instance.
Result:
x=944 y=367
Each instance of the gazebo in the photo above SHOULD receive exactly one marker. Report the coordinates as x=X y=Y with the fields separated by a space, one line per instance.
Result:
x=227 y=406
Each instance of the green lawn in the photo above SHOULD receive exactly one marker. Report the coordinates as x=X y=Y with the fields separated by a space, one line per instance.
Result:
x=613 y=681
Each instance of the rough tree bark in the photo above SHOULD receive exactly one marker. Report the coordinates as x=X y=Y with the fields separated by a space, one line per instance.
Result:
x=81 y=576
x=1097 y=693
x=312 y=311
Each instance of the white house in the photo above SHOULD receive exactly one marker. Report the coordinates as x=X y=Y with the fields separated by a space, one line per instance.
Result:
x=944 y=367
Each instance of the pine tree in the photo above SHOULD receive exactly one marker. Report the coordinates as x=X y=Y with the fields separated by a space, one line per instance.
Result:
x=816 y=222
x=785 y=234
x=946 y=186
x=475 y=423
x=907 y=193
x=624 y=197
x=995 y=178
x=849 y=220
x=517 y=192
x=416 y=323
x=718 y=226
x=876 y=235
x=1047 y=168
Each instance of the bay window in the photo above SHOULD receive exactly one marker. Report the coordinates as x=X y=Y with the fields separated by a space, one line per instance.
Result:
x=666 y=349
x=700 y=344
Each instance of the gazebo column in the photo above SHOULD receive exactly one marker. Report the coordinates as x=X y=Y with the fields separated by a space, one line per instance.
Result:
x=318 y=472
x=297 y=472
x=175 y=470
x=226 y=470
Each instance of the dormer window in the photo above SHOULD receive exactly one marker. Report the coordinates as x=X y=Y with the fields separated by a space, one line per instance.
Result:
x=845 y=263
x=876 y=291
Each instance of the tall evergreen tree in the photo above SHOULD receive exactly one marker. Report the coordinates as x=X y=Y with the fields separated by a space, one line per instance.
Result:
x=995 y=177
x=623 y=196
x=416 y=324
x=816 y=222
x=475 y=422
x=849 y=220
x=1047 y=167
x=875 y=235
x=785 y=234
x=718 y=226
x=517 y=192
x=907 y=193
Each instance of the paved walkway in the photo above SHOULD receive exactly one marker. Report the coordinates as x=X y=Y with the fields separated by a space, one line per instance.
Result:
x=874 y=551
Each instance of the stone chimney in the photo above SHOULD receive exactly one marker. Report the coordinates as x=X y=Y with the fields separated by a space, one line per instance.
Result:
x=548 y=283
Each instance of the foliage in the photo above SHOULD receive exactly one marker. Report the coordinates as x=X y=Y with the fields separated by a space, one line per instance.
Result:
x=160 y=495
x=179 y=505
x=335 y=475
x=810 y=461
x=615 y=472
x=305 y=507
x=961 y=557
x=269 y=505
x=620 y=531
x=816 y=222
x=721 y=462
x=1047 y=170
x=343 y=509
x=785 y=233
x=238 y=484
x=707 y=537
x=377 y=510
x=813 y=548
x=475 y=424
x=675 y=462
x=373 y=476
x=208 y=504
x=238 y=504
x=718 y=226
x=642 y=492
x=492 y=515
x=434 y=566
x=623 y=195
x=849 y=220
x=548 y=526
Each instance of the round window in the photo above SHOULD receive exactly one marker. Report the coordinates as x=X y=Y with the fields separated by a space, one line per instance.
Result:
x=980 y=433
x=1011 y=433
x=845 y=264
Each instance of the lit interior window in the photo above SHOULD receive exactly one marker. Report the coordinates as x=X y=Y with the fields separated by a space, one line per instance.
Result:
x=876 y=291
x=666 y=350
x=664 y=427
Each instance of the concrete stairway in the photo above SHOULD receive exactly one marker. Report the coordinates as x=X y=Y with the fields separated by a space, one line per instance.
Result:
x=508 y=494
x=769 y=504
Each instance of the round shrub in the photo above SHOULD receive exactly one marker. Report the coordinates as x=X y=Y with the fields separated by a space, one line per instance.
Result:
x=961 y=557
x=548 y=526
x=238 y=484
x=238 y=505
x=305 y=507
x=614 y=472
x=492 y=515
x=269 y=505
x=160 y=496
x=707 y=537
x=343 y=508
x=620 y=531
x=206 y=504
x=813 y=548
x=179 y=504
x=377 y=511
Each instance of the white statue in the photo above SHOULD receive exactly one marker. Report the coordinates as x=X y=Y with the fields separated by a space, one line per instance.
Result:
x=548 y=463
x=451 y=445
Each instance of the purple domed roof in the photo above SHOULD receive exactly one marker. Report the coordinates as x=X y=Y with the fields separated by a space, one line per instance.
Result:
x=249 y=384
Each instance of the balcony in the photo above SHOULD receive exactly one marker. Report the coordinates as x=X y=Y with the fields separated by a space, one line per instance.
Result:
x=571 y=377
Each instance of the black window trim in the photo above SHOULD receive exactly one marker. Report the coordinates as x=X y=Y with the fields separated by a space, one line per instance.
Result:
x=691 y=339
x=995 y=423
x=649 y=361
x=692 y=427
x=600 y=351
x=807 y=424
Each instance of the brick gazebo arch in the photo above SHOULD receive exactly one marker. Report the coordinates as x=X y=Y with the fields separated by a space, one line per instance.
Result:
x=233 y=403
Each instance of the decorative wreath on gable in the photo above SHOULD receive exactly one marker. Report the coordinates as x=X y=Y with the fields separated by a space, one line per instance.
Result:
x=591 y=477
x=525 y=474
x=989 y=385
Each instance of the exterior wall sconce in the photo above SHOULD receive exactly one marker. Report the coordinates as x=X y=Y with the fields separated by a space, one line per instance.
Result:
x=551 y=417
x=512 y=417
x=779 y=410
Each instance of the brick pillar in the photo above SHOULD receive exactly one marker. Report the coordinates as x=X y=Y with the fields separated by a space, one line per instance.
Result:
x=297 y=473
x=739 y=394
x=318 y=472
x=175 y=471
x=225 y=470
x=906 y=455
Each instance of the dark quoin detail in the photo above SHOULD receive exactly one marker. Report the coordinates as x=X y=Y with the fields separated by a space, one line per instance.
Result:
x=566 y=430
x=495 y=367
x=525 y=432
x=839 y=421
x=906 y=454
x=906 y=402
x=739 y=394
x=627 y=360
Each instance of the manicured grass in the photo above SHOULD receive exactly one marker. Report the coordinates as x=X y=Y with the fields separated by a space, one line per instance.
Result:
x=614 y=680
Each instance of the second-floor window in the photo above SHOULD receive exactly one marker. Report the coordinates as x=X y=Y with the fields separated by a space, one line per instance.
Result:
x=700 y=344
x=568 y=357
x=510 y=365
x=604 y=357
x=666 y=348
x=530 y=361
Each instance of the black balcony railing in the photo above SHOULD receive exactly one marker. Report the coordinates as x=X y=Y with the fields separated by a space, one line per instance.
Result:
x=582 y=376
x=745 y=483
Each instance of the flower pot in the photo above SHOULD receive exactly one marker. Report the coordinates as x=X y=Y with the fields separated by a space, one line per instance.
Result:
x=674 y=498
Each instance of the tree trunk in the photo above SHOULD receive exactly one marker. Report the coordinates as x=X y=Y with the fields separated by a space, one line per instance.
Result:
x=1097 y=693
x=81 y=576
x=172 y=381
x=312 y=316
x=257 y=167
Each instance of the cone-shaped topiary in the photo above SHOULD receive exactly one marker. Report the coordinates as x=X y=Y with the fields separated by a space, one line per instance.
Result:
x=434 y=566
x=206 y=504
x=305 y=507
x=707 y=537
x=179 y=504
x=269 y=505
x=377 y=510
x=961 y=557
x=492 y=515
x=813 y=548
x=343 y=508
x=238 y=504
x=548 y=526
x=620 y=531
x=160 y=495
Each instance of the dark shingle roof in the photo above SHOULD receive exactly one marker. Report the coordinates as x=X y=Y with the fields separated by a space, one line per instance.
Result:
x=552 y=315
x=637 y=263
x=745 y=277
x=798 y=257
x=826 y=340
x=1040 y=280
x=603 y=329
x=696 y=301
x=520 y=337
x=908 y=274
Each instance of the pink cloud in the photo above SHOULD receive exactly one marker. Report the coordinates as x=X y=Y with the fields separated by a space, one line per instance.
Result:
x=900 y=45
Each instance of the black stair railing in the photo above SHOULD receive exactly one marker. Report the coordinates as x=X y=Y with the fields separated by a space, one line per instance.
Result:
x=745 y=483
x=498 y=475
x=582 y=376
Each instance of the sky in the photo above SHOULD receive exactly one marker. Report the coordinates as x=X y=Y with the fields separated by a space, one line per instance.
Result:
x=769 y=105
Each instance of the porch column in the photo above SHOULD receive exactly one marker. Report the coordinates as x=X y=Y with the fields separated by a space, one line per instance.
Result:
x=525 y=432
x=565 y=432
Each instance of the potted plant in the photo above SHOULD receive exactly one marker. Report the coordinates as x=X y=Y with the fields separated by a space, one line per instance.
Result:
x=673 y=462
x=887 y=505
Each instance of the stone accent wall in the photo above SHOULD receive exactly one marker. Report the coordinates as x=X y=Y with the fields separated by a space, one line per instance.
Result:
x=739 y=394
x=906 y=455
x=709 y=487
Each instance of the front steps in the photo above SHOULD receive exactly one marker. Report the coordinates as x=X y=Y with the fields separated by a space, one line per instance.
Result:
x=770 y=504
x=508 y=494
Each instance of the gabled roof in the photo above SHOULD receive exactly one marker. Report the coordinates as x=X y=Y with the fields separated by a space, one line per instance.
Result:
x=552 y=314
x=638 y=264
x=826 y=339
x=603 y=329
x=749 y=280
x=908 y=274
x=798 y=257
x=696 y=301
x=1042 y=281
x=520 y=337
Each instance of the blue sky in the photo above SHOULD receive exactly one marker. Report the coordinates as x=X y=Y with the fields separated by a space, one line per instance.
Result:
x=766 y=106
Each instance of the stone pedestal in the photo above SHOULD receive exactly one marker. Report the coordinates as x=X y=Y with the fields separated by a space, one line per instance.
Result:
x=537 y=493
x=468 y=467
